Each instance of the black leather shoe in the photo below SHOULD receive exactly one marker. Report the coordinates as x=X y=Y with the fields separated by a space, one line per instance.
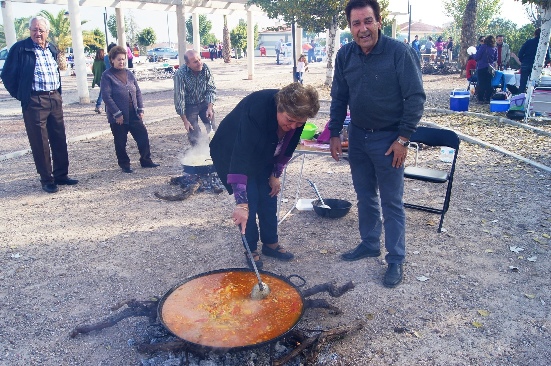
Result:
x=66 y=182
x=50 y=187
x=284 y=256
x=259 y=263
x=149 y=165
x=361 y=251
x=393 y=275
x=126 y=169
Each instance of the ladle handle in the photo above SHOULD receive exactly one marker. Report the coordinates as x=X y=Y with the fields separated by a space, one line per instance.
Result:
x=315 y=190
x=246 y=245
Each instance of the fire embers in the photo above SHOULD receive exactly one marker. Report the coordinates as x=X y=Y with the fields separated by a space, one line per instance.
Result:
x=191 y=184
x=207 y=182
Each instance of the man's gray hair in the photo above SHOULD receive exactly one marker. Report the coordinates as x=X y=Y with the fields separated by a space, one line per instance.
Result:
x=39 y=18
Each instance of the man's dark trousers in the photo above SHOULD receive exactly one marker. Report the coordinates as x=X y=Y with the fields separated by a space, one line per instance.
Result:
x=45 y=129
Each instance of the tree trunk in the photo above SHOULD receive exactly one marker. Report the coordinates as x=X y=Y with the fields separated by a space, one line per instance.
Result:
x=468 y=35
x=61 y=60
x=226 y=45
x=539 y=61
x=330 y=45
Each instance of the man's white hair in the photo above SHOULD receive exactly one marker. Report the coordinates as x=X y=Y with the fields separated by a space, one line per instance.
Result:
x=39 y=18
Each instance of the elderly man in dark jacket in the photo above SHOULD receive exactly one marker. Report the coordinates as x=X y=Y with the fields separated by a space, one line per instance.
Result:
x=31 y=75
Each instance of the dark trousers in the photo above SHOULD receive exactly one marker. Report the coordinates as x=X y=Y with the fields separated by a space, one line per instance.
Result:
x=484 y=88
x=139 y=133
x=45 y=129
x=263 y=206
x=277 y=56
x=524 y=76
x=193 y=113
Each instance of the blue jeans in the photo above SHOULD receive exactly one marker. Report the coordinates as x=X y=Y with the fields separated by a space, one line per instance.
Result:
x=263 y=206
x=372 y=170
x=99 y=100
x=193 y=113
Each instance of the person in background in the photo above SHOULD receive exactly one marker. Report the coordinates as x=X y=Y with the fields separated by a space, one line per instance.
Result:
x=486 y=55
x=194 y=95
x=278 y=48
x=470 y=69
x=429 y=45
x=379 y=131
x=31 y=75
x=136 y=50
x=129 y=56
x=527 y=56
x=416 y=47
x=312 y=52
x=302 y=67
x=106 y=58
x=449 y=48
x=98 y=67
x=250 y=150
x=124 y=110
x=480 y=42
x=439 y=47
x=503 y=53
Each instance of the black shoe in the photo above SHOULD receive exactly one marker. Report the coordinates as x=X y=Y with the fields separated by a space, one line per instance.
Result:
x=126 y=169
x=361 y=251
x=150 y=165
x=50 y=187
x=393 y=275
x=259 y=263
x=66 y=182
x=284 y=256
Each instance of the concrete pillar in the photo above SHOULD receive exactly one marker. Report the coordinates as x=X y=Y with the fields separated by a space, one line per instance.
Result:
x=298 y=43
x=394 y=26
x=181 y=31
x=121 y=34
x=196 y=35
x=78 y=51
x=9 y=25
x=250 y=44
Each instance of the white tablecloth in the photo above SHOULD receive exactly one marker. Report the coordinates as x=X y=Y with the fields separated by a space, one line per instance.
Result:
x=511 y=77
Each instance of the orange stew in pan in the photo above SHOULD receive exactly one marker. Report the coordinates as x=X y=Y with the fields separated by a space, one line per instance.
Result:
x=216 y=310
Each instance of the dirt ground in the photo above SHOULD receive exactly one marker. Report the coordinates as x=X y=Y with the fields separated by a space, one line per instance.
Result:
x=476 y=294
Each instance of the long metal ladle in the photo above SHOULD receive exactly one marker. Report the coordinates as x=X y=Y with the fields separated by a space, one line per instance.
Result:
x=323 y=205
x=260 y=290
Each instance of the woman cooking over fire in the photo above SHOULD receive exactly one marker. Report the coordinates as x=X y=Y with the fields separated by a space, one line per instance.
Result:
x=249 y=150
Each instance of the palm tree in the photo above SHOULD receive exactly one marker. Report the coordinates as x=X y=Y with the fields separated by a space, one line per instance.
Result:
x=60 y=34
x=468 y=35
x=21 y=26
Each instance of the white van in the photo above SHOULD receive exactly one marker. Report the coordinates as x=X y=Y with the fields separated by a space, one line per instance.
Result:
x=3 y=56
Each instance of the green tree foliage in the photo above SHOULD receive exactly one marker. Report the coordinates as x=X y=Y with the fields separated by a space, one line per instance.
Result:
x=147 y=37
x=131 y=28
x=93 y=40
x=60 y=34
x=21 y=26
x=205 y=26
x=485 y=11
x=238 y=37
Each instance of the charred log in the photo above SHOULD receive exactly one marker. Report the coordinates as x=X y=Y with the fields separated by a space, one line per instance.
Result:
x=316 y=341
x=135 y=308
x=330 y=288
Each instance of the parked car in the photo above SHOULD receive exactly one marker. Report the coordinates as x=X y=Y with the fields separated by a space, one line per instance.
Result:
x=162 y=52
x=287 y=49
x=3 y=56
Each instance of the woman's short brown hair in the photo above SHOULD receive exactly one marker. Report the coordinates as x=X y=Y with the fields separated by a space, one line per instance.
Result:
x=117 y=50
x=298 y=101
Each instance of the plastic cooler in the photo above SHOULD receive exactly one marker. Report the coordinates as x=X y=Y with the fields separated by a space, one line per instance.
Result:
x=499 y=105
x=459 y=100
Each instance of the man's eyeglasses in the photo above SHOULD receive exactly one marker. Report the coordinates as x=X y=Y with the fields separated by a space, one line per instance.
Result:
x=37 y=30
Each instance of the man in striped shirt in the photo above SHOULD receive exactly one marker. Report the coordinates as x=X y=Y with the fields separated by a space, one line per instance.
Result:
x=31 y=75
x=194 y=95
